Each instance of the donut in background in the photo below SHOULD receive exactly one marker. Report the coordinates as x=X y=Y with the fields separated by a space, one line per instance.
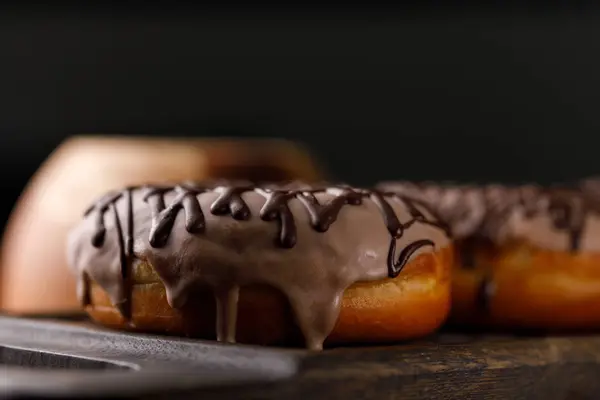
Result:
x=527 y=256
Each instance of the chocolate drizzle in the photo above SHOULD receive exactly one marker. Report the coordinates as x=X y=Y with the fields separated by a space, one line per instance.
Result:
x=396 y=229
x=277 y=206
x=395 y=267
x=569 y=214
x=125 y=239
x=163 y=217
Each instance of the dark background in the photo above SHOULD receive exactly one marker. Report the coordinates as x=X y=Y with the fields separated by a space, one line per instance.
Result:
x=412 y=92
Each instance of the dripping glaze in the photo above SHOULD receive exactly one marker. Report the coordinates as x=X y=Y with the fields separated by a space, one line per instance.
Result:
x=230 y=202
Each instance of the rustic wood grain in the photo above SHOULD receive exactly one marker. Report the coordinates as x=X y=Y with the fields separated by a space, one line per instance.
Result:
x=450 y=366
x=447 y=366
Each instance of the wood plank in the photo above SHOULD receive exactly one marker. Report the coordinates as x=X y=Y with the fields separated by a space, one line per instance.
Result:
x=450 y=366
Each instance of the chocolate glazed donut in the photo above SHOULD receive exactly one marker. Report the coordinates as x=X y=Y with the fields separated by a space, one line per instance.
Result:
x=310 y=243
x=531 y=258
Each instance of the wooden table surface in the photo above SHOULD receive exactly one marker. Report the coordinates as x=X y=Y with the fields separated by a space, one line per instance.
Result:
x=449 y=365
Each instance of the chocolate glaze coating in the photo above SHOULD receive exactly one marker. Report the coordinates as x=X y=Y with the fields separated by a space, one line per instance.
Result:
x=309 y=242
x=560 y=218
